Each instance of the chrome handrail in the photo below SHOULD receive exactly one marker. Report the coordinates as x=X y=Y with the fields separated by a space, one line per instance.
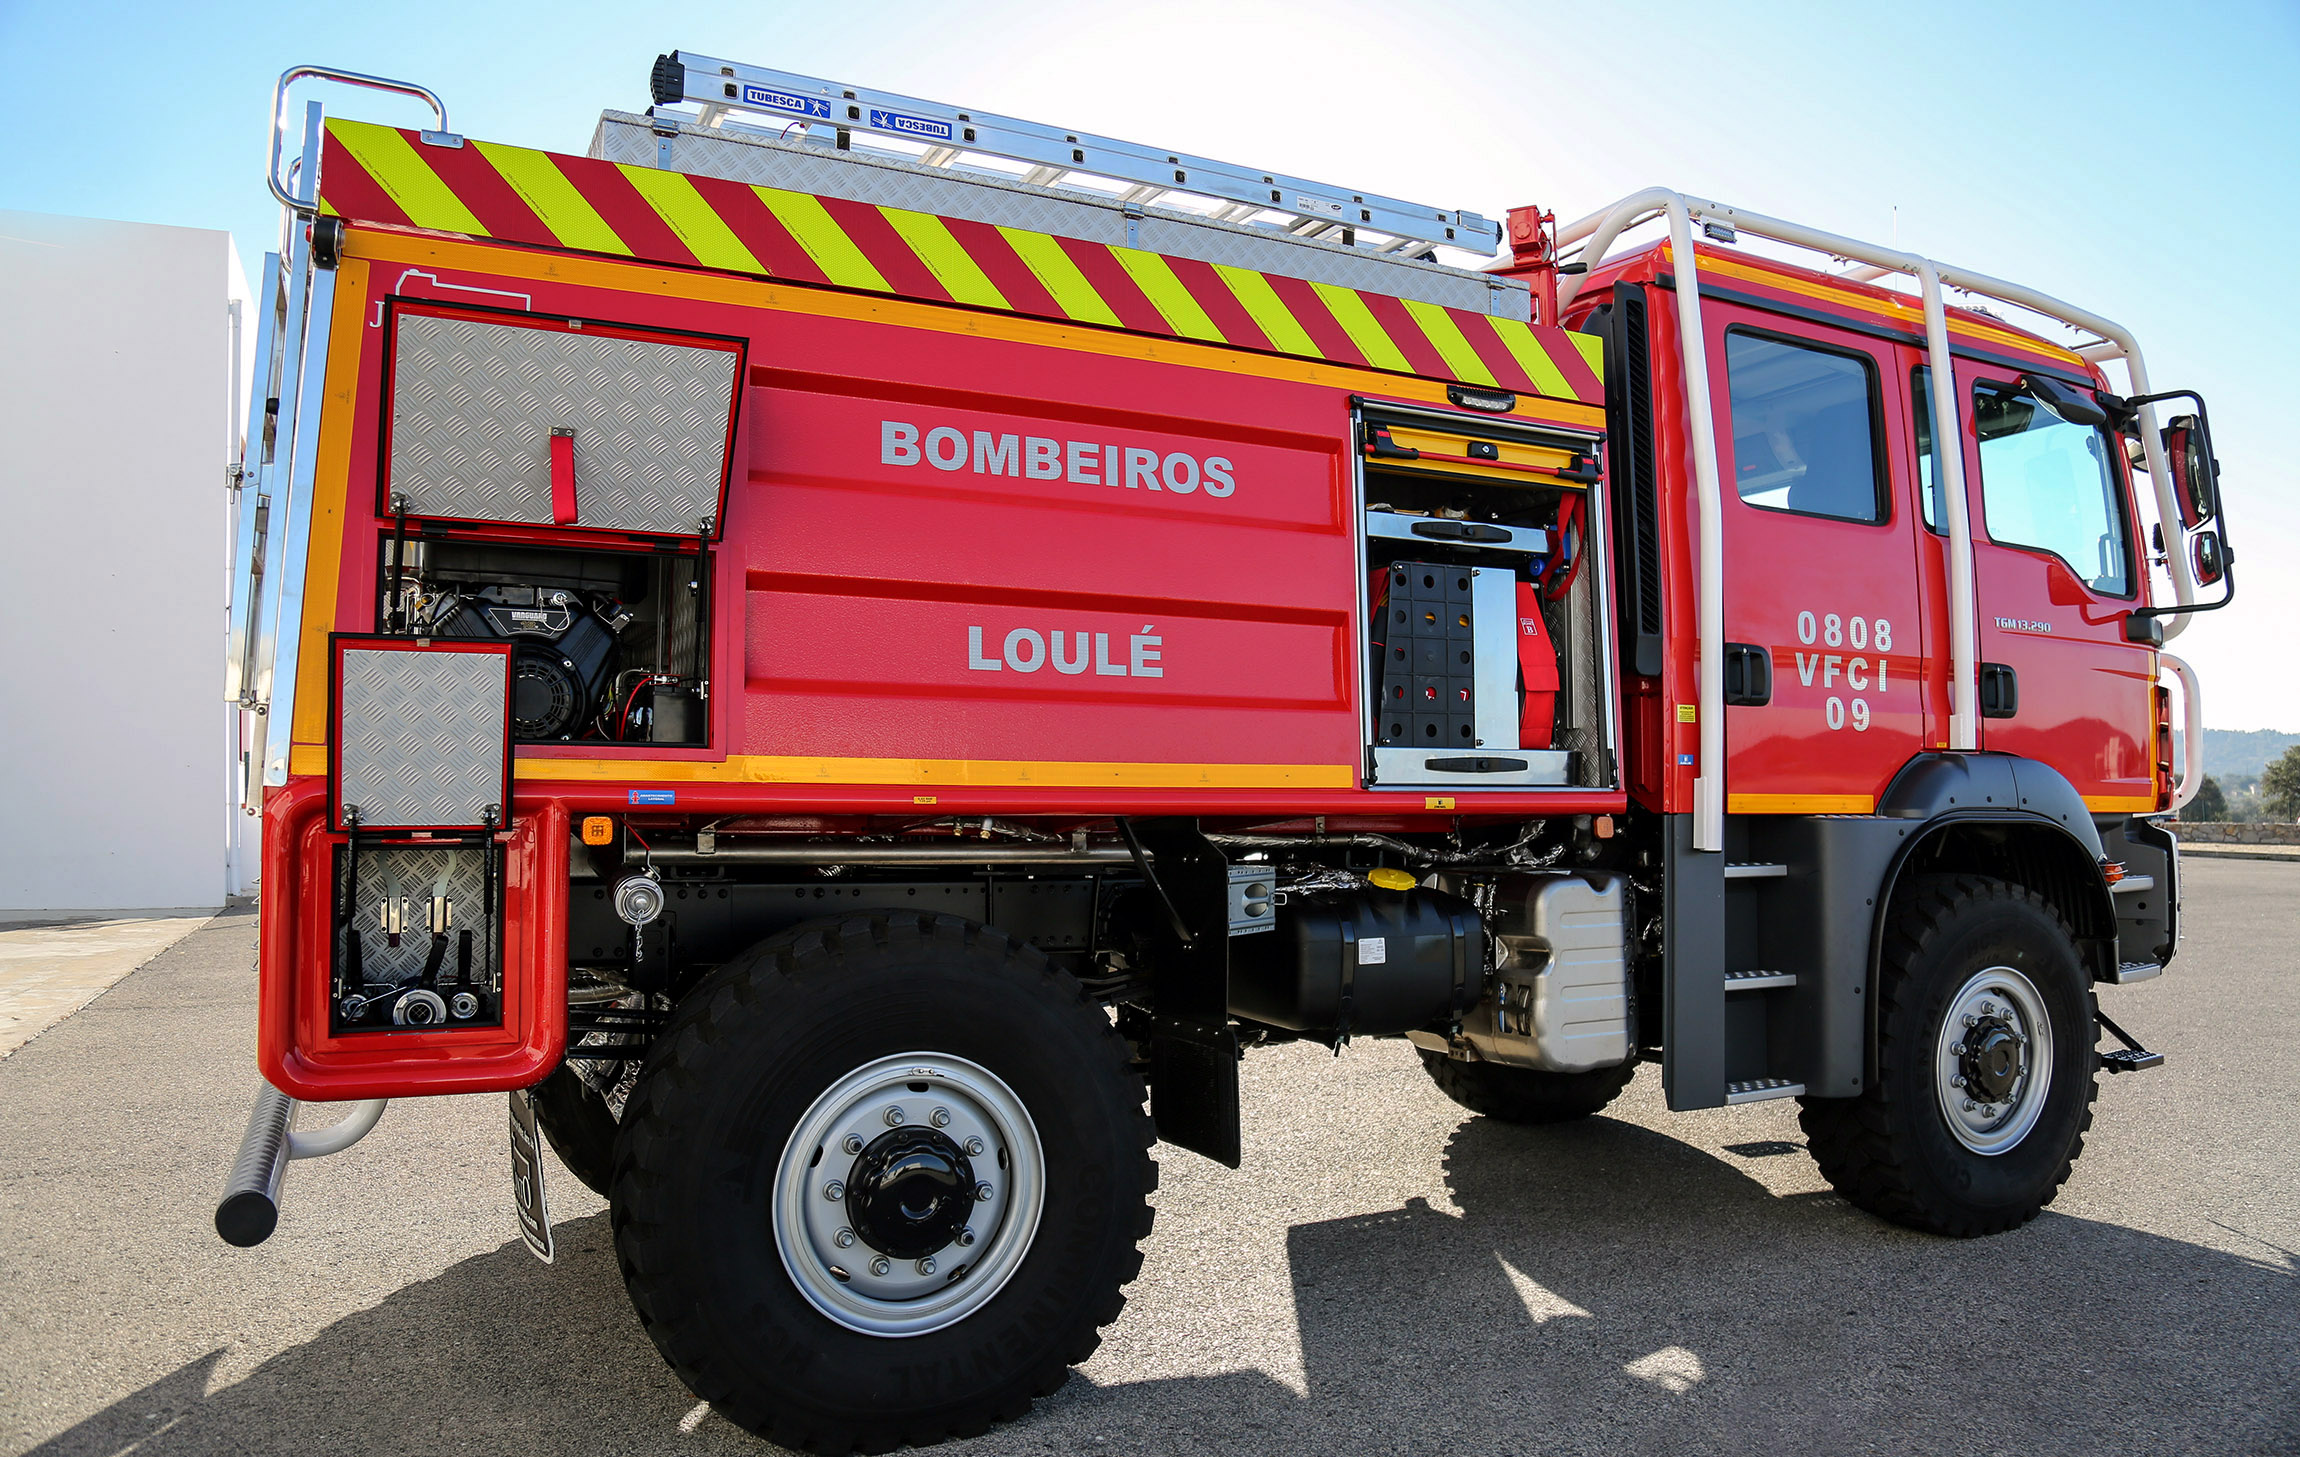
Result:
x=293 y=74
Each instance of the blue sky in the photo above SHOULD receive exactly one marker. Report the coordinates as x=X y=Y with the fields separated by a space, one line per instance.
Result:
x=2139 y=162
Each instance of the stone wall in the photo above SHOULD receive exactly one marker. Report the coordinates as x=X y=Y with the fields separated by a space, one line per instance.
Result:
x=2209 y=832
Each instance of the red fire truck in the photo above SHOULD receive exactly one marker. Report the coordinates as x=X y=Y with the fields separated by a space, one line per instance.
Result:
x=855 y=655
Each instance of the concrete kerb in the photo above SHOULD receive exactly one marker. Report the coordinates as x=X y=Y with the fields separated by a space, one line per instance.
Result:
x=51 y=968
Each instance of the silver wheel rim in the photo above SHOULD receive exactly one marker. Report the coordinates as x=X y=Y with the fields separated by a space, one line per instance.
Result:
x=1997 y=1012
x=866 y=1289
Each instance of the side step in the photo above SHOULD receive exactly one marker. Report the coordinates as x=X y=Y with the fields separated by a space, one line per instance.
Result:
x=1758 y=980
x=1758 y=1090
x=2130 y=1058
x=1755 y=870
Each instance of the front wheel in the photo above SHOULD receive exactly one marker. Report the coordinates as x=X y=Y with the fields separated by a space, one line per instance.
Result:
x=1985 y=1064
x=882 y=1182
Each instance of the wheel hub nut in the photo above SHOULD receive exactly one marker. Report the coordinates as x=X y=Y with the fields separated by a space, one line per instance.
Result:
x=974 y=1148
x=880 y=1265
x=965 y=1239
x=940 y=1118
x=983 y=1193
x=834 y=1190
x=894 y=1117
x=844 y=1239
x=926 y=1266
x=853 y=1144
x=907 y=1194
x=1990 y=1059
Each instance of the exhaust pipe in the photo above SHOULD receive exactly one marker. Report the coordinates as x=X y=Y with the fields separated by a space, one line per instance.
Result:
x=250 y=1209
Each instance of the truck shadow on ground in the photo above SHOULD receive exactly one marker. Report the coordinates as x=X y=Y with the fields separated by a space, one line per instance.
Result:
x=1604 y=1287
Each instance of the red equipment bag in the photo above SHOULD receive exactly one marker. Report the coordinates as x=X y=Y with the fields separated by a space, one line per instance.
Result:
x=1536 y=671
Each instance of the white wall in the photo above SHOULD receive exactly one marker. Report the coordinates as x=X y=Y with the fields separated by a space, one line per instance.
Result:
x=115 y=395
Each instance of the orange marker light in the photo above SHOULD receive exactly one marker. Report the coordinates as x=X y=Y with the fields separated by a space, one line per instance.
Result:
x=598 y=830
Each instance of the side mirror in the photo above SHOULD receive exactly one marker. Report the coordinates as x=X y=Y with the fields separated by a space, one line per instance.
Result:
x=2195 y=474
x=2208 y=556
x=2077 y=407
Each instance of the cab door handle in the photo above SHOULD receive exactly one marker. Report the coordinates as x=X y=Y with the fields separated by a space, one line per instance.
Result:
x=2000 y=691
x=1748 y=675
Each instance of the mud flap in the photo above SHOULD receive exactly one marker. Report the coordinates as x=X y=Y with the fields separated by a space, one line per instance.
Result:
x=1194 y=1088
x=1193 y=1052
x=527 y=1197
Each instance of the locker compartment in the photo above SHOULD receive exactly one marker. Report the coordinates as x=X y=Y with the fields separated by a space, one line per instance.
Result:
x=417 y=936
x=608 y=647
x=1483 y=616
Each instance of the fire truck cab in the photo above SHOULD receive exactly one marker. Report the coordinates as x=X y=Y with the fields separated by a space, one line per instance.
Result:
x=836 y=646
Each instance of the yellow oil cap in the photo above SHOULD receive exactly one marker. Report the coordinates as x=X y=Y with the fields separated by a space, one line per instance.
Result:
x=598 y=830
x=1389 y=879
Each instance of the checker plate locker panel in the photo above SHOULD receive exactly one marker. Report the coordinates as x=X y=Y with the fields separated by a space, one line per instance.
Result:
x=422 y=735
x=477 y=398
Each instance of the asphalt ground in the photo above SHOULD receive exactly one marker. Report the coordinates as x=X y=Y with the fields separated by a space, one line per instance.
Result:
x=1387 y=1274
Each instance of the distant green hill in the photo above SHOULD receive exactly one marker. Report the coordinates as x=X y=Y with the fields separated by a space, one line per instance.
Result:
x=2232 y=751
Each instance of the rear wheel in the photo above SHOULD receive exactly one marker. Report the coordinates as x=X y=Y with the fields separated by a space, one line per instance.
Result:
x=1985 y=1064
x=1524 y=1094
x=578 y=1124
x=881 y=1182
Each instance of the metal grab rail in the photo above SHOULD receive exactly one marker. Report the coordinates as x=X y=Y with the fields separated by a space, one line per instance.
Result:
x=2191 y=777
x=294 y=74
x=1597 y=233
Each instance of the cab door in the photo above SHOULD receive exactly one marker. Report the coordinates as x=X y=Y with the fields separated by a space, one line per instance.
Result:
x=1820 y=576
x=2055 y=574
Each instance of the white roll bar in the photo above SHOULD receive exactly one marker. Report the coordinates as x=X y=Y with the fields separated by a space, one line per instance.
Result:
x=1597 y=233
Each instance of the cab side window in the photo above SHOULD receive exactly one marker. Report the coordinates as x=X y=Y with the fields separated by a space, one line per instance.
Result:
x=2048 y=485
x=1928 y=452
x=1804 y=428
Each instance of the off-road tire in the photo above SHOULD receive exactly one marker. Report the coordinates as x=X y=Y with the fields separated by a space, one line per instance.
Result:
x=1890 y=1151
x=1524 y=1094
x=578 y=1125
x=735 y=1071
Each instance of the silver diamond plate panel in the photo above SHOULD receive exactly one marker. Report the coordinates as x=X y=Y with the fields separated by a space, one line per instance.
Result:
x=413 y=874
x=758 y=161
x=422 y=737
x=474 y=404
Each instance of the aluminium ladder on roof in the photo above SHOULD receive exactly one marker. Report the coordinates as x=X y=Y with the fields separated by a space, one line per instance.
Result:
x=950 y=134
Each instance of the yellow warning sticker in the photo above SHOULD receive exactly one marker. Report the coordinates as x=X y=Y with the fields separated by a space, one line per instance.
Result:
x=1438 y=801
x=1688 y=712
